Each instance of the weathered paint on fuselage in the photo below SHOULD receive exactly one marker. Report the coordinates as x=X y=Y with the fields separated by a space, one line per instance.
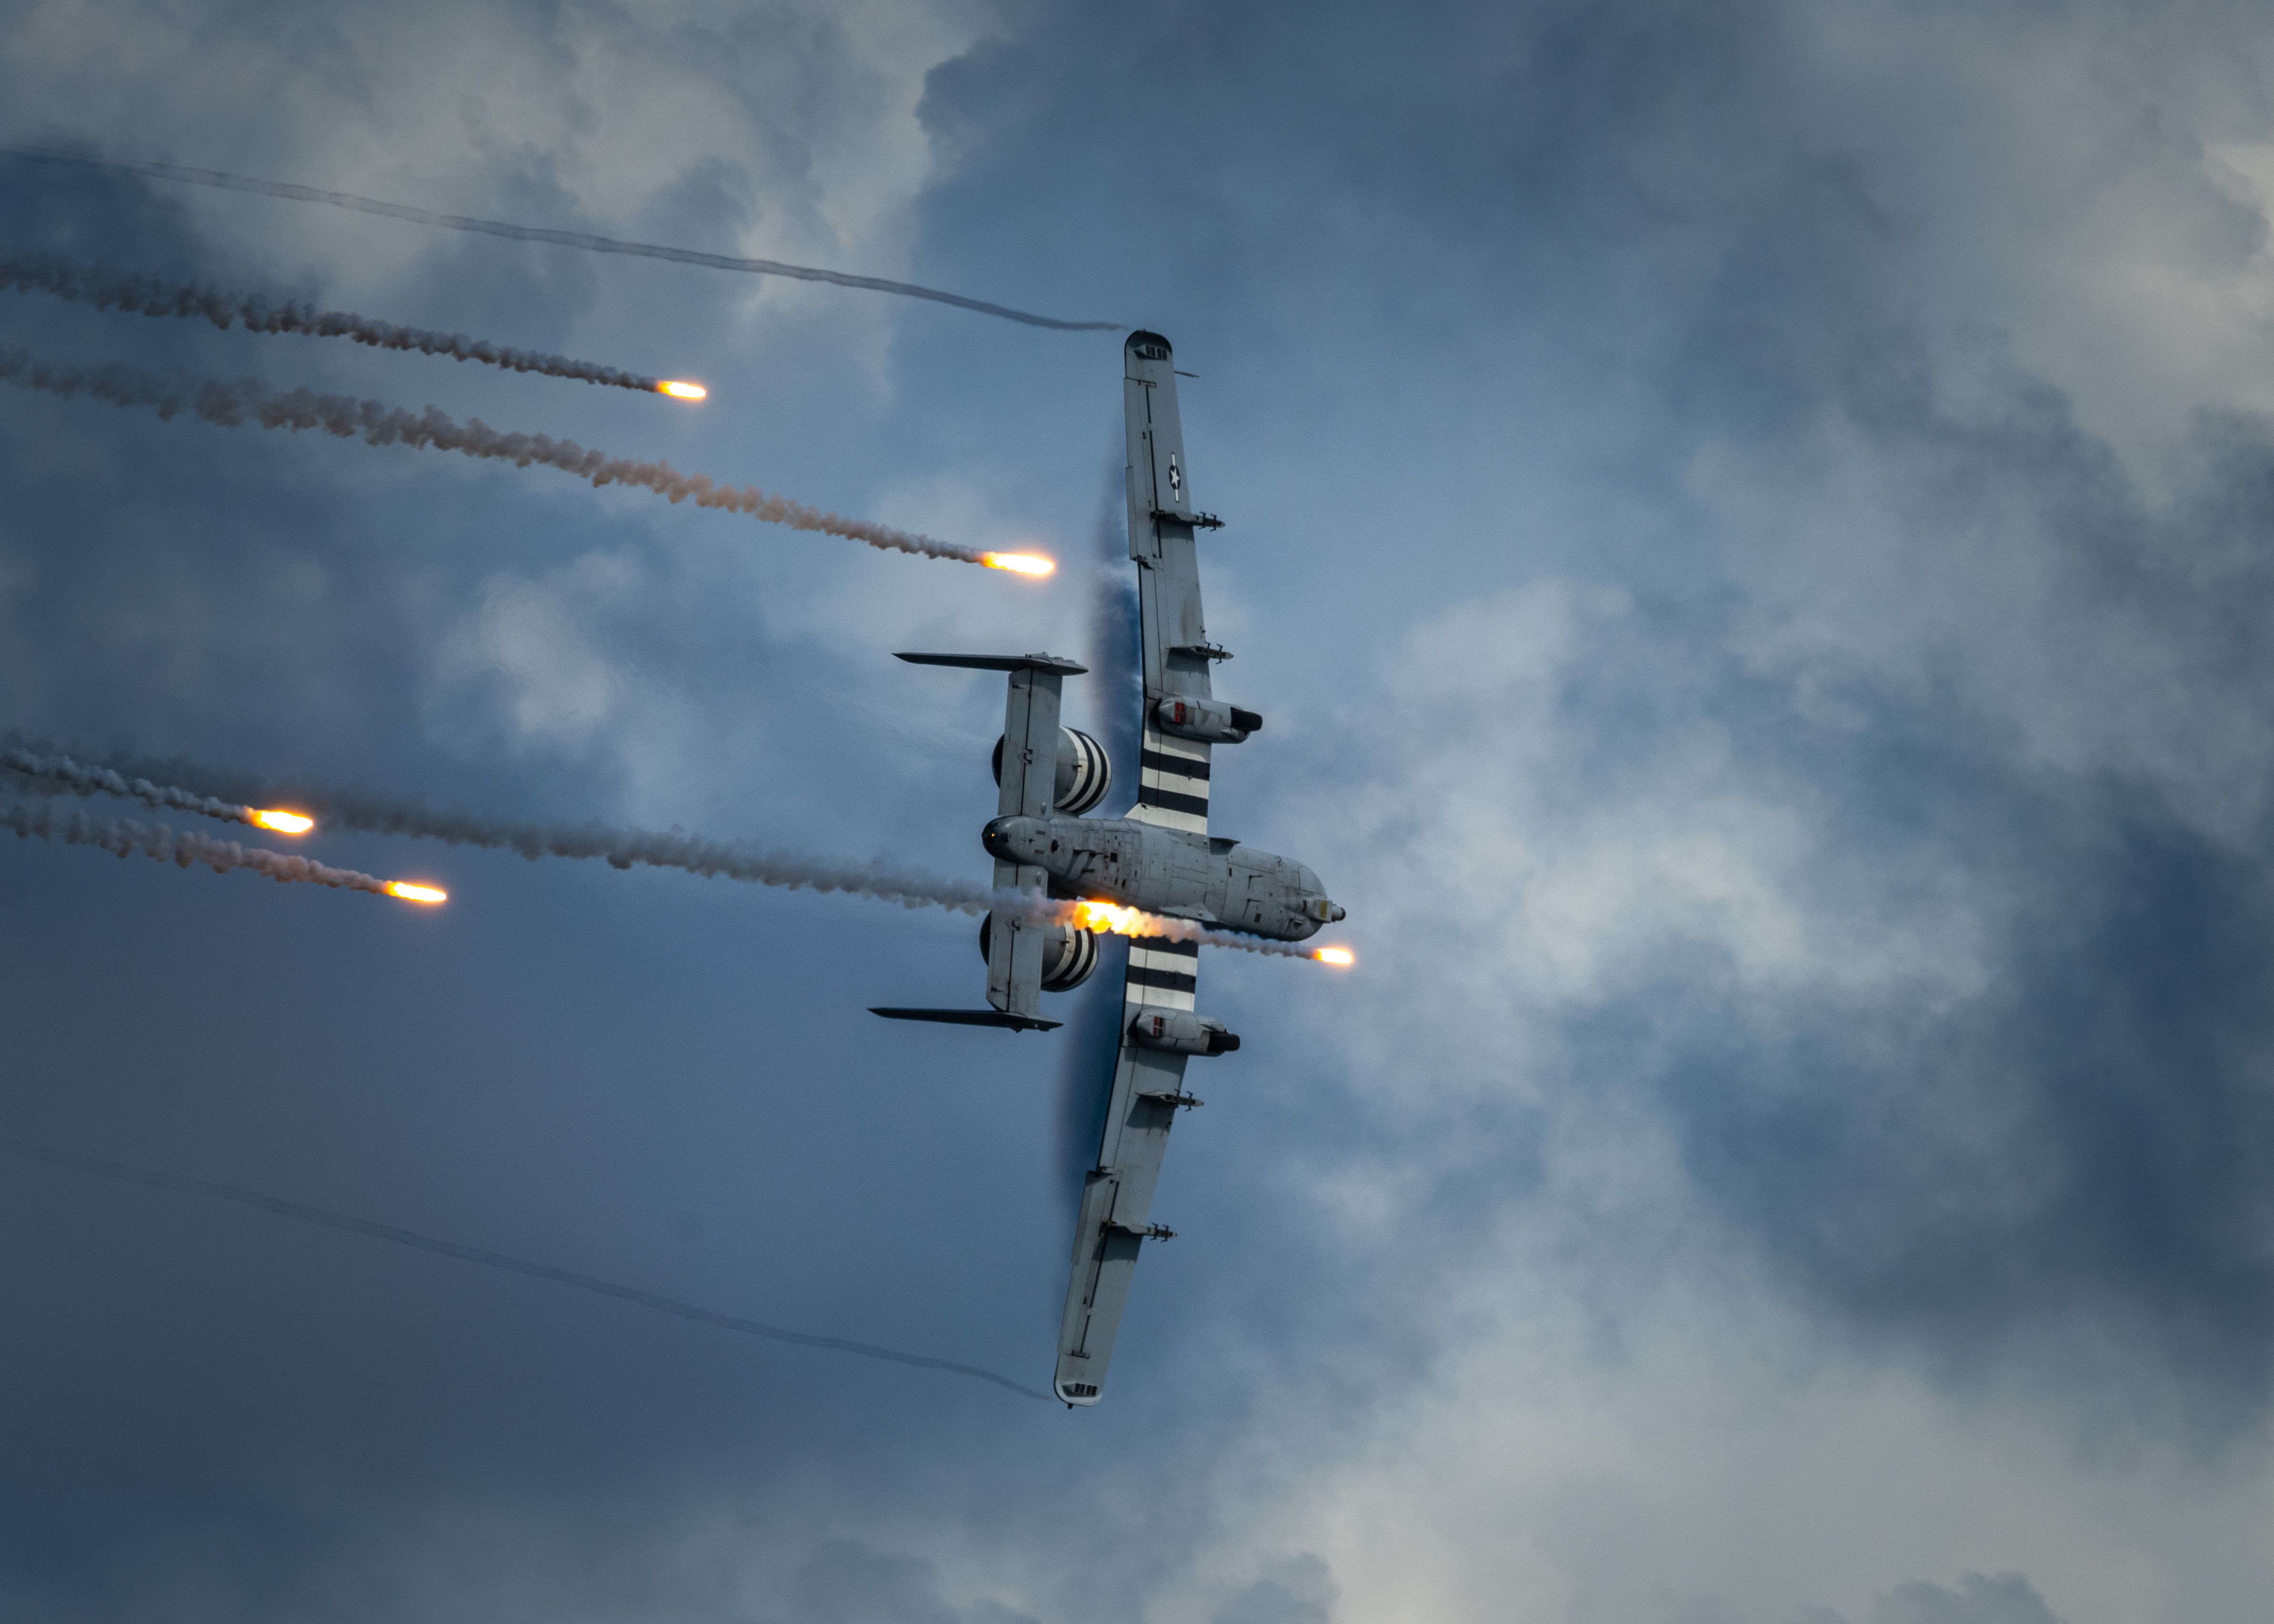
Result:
x=1171 y=871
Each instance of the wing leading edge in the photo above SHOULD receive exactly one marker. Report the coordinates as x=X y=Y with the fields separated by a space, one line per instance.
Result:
x=1116 y=1196
x=1149 y=1082
x=1173 y=773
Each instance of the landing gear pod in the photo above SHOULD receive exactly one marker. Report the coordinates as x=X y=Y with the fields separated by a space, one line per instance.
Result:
x=1068 y=957
x=1183 y=1032
x=1084 y=773
x=1206 y=721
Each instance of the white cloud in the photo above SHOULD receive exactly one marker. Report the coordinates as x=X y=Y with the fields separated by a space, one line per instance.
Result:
x=801 y=116
x=559 y=687
x=1719 y=1461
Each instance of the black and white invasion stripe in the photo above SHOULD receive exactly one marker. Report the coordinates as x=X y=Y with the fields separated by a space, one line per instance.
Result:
x=1162 y=973
x=1172 y=782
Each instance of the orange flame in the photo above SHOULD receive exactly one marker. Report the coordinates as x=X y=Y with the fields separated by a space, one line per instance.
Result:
x=679 y=391
x=282 y=823
x=1103 y=916
x=409 y=893
x=1335 y=956
x=1018 y=563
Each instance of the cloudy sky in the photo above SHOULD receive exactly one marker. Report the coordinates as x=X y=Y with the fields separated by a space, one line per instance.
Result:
x=1750 y=525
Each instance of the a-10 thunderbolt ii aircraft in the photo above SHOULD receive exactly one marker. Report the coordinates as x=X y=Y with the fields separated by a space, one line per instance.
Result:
x=1160 y=858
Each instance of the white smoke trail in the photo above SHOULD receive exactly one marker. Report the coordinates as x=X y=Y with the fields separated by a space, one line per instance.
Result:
x=156 y=296
x=620 y=848
x=248 y=400
x=541 y=234
x=45 y=821
x=84 y=780
x=626 y=848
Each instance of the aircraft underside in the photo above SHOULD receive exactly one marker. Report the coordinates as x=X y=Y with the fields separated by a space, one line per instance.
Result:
x=1159 y=859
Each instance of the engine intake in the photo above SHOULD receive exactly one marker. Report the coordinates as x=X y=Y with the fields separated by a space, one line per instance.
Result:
x=1068 y=955
x=1084 y=773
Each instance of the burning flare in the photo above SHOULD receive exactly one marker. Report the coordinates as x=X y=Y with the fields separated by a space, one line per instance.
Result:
x=250 y=401
x=1020 y=563
x=84 y=780
x=1095 y=914
x=45 y=821
x=1106 y=916
x=621 y=848
x=158 y=296
x=680 y=391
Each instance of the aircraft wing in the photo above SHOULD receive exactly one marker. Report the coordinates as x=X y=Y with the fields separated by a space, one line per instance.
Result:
x=1149 y=1082
x=1026 y=766
x=1117 y=1197
x=1173 y=773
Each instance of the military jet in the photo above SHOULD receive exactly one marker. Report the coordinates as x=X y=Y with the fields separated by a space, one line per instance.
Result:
x=1160 y=858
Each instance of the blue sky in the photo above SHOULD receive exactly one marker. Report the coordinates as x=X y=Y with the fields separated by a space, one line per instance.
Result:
x=1748 y=524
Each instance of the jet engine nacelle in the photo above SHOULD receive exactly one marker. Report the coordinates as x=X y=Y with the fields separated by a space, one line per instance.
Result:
x=1068 y=954
x=1206 y=721
x=1084 y=772
x=1182 y=1031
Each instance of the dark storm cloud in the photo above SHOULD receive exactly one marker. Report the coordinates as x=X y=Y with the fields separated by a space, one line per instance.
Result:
x=2062 y=1171
x=2072 y=1167
x=2066 y=1172
x=1458 y=247
x=2008 y=1599
x=1477 y=157
x=274 y=612
x=2076 y=1159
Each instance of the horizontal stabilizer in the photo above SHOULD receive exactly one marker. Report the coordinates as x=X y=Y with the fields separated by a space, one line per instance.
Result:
x=972 y=1018
x=999 y=662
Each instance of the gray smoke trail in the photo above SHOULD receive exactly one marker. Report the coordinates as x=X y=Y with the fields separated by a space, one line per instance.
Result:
x=325 y=1219
x=48 y=822
x=567 y=239
x=623 y=848
x=248 y=400
x=84 y=780
x=157 y=295
x=626 y=848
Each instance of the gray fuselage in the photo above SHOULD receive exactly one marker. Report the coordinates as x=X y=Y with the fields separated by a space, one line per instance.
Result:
x=1168 y=871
